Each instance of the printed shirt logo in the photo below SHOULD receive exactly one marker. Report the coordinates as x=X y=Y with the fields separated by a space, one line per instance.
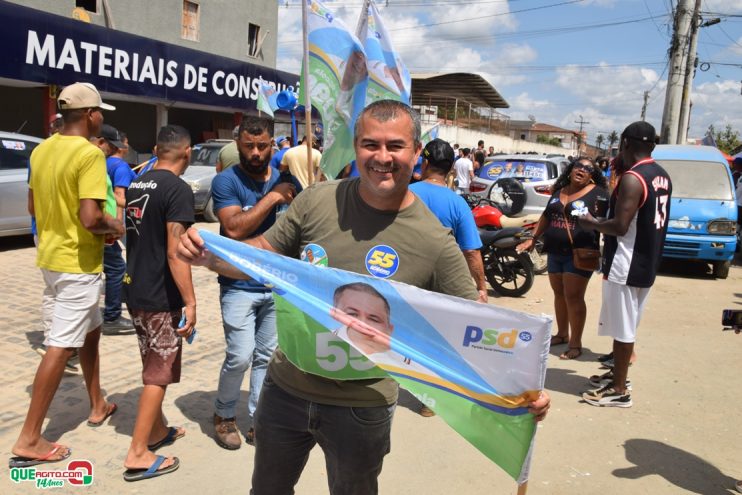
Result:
x=314 y=254
x=382 y=261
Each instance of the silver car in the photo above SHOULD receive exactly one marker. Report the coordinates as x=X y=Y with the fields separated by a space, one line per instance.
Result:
x=15 y=151
x=201 y=172
x=521 y=184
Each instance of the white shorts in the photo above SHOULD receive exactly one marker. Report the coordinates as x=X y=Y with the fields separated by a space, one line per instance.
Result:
x=621 y=311
x=76 y=312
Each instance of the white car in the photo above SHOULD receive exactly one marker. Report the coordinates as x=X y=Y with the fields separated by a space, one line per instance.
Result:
x=15 y=151
x=520 y=184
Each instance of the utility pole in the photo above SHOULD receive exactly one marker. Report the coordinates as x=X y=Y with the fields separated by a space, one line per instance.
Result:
x=678 y=58
x=579 y=136
x=644 y=107
x=690 y=73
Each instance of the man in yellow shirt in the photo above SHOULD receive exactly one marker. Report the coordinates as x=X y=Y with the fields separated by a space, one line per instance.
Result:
x=66 y=192
x=294 y=161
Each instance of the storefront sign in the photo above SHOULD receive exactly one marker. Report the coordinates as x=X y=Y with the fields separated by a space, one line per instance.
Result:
x=51 y=49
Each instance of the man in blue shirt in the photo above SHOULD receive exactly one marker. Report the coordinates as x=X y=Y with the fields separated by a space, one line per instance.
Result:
x=246 y=197
x=450 y=208
x=112 y=143
x=283 y=144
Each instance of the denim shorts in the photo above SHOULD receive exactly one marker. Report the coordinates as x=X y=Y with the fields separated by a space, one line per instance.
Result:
x=561 y=263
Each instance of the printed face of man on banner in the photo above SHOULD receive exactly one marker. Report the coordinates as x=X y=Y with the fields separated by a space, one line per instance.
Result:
x=366 y=314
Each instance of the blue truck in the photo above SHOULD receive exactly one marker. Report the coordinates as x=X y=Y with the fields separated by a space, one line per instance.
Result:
x=703 y=209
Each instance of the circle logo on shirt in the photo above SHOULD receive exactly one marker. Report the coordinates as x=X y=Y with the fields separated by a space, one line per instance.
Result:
x=382 y=261
x=314 y=254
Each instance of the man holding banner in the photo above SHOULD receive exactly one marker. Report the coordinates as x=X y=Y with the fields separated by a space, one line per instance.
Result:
x=371 y=225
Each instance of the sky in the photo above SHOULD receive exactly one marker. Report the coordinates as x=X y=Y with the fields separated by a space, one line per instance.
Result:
x=559 y=61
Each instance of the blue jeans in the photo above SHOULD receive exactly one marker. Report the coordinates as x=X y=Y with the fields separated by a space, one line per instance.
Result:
x=353 y=439
x=250 y=331
x=114 y=267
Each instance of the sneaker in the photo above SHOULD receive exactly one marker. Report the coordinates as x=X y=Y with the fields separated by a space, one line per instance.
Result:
x=426 y=412
x=605 y=357
x=600 y=381
x=250 y=436
x=607 y=397
x=118 y=326
x=227 y=433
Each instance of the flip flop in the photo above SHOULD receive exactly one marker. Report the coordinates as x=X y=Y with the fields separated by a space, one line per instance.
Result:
x=172 y=435
x=111 y=410
x=567 y=356
x=20 y=461
x=558 y=340
x=152 y=471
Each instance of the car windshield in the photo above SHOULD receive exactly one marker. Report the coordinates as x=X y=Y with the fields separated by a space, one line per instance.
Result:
x=14 y=153
x=698 y=180
x=518 y=169
x=205 y=156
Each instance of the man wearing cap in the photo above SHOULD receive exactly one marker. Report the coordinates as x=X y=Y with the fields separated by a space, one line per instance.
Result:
x=450 y=208
x=283 y=143
x=66 y=196
x=228 y=155
x=634 y=234
x=114 y=266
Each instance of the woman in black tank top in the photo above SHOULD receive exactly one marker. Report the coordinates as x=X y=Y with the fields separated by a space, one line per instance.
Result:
x=581 y=185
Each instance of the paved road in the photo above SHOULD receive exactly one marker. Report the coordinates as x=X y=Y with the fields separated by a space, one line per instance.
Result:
x=681 y=436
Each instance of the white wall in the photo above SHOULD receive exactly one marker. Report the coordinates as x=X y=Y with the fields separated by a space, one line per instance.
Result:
x=468 y=139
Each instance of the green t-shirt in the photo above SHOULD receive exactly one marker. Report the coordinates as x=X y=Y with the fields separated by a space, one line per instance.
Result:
x=229 y=155
x=352 y=234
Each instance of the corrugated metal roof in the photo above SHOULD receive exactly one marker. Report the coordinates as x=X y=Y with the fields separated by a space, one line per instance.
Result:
x=441 y=89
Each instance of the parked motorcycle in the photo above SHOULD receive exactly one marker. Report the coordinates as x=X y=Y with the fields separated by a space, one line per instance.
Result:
x=509 y=272
x=489 y=216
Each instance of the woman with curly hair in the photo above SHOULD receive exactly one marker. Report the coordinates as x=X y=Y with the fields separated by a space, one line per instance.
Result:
x=580 y=186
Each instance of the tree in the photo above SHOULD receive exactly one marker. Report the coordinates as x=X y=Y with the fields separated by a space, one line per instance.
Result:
x=553 y=141
x=612 y=139
x=726 y=140
x=599 y=140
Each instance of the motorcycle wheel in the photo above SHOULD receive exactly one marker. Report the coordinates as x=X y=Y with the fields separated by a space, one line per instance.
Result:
x=509 y=273
x=538 y=258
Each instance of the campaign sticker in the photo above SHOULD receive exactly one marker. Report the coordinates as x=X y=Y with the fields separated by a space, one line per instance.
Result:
x=382 y=261
x=14 y=145
x=314 y=254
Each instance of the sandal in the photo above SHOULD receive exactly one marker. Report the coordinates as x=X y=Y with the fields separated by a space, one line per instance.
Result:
x=558 y=340
x=572 y=353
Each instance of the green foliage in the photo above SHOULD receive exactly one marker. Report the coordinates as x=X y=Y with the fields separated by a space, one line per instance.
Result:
x=726 y=140
x=599 y=140
x=548 y=140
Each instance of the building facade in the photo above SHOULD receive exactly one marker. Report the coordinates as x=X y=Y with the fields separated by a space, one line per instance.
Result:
x=194 y=63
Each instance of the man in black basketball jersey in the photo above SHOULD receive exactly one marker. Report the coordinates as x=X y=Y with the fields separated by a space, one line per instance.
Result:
x=634 y=234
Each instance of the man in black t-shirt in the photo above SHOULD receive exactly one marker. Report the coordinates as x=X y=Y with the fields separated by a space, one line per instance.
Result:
x=634 y=235
x=157 y=286
x=479 y=155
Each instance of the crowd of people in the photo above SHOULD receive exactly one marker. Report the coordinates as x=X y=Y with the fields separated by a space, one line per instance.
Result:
x=82 y=212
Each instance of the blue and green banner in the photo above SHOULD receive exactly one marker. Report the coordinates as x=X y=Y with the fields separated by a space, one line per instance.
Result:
x=476 y=365
x=337 y=83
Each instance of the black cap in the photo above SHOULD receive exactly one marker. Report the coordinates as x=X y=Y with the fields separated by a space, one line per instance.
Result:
x=439 y=153
x=111 y=134
x=641 y=131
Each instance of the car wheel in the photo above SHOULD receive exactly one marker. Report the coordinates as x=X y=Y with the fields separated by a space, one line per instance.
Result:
x=209 y=214
x=721 y=269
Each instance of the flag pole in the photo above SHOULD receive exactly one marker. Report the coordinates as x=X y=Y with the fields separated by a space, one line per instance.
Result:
x=307 y=98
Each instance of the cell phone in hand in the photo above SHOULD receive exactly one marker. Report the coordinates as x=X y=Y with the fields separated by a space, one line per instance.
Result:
x=182 y=323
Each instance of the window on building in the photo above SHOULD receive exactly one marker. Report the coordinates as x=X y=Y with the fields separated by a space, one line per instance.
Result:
x=189 y=29
x=254 y=40
x=89 y=5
